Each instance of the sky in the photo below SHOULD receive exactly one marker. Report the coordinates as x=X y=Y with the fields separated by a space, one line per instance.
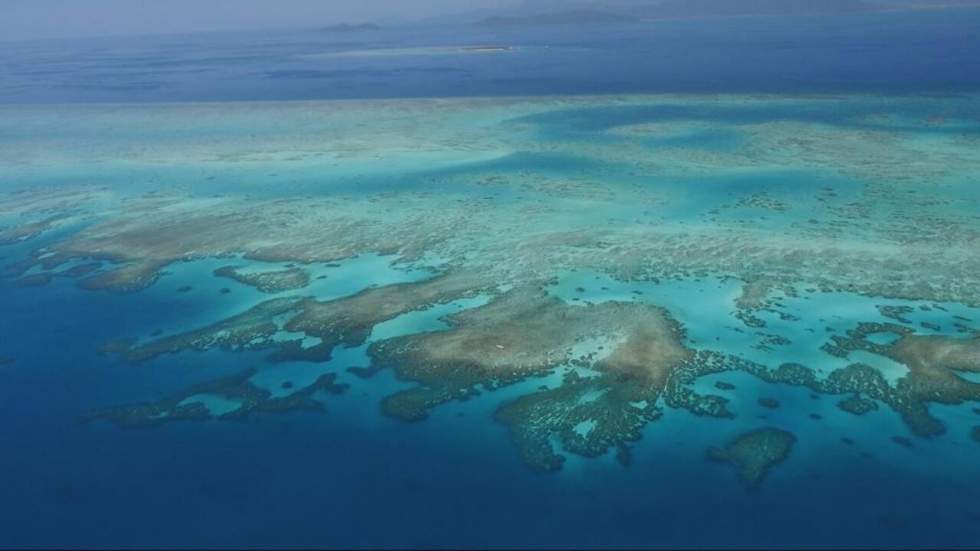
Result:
x=37 y=19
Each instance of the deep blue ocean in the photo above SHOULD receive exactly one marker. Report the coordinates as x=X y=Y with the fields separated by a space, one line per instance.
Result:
x=330 y=479
x=933 y=51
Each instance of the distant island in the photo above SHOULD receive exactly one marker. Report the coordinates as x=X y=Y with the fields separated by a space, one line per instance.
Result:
x=536 y=12
x=348 y=28
x=691 y=9
x=582 y=17
x=679 y=9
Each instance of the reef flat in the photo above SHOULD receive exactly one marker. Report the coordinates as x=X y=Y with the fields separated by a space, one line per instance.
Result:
x=268 y=281
x=597 y=262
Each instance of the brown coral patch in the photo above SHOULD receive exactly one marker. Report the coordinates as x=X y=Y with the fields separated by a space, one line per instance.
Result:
x=252 y=329
x=269 y=281
x=526 y=332
x=236 y=387
x=755 y=453
x=344 y=321
x=932 y=360
x=349 y=320
x=857 y=405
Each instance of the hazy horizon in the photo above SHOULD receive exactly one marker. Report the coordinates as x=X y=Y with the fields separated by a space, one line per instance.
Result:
x=55 y=19
x=62 y=19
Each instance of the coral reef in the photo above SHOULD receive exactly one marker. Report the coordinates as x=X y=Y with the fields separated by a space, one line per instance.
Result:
x=585 y=415
x=272 y=281
x=28 y=230
x=903 y=441
x=526 y=332
x=755 y=453
x=538 y=188
x=857 y=405
x=932 y=360
x=346 y=320
x=349 y=320
x=253 y=329
x=770 y=403
x=190 y=406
